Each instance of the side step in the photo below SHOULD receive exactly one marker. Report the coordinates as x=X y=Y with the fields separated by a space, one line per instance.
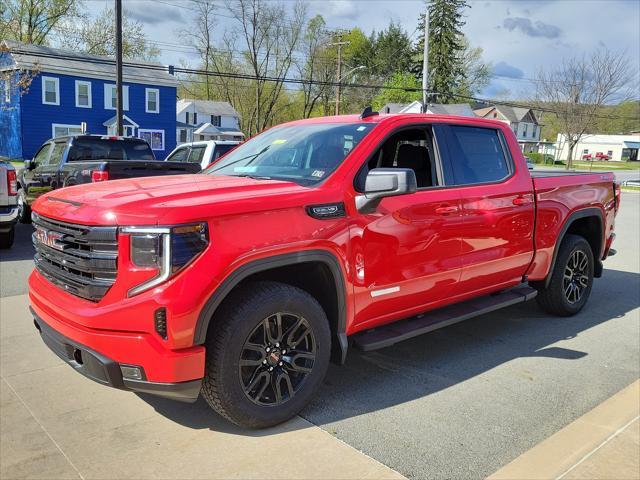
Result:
x=411 y=327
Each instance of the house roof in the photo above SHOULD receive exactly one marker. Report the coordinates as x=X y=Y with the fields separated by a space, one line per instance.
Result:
x=125 y=121
x=393 y=107
x=206 y=107
x=46 y=59
x=458 y=109
x=512 y=114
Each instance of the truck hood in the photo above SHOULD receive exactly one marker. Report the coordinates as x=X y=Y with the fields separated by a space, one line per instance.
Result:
x=166 y=200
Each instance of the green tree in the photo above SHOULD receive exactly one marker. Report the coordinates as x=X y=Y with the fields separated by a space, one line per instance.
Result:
x=446 y=49
x=34 y=21
x=393 y=95
x=97 y=37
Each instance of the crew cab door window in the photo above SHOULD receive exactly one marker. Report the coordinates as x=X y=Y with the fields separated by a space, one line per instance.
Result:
x=196 y=154
x=477 y=156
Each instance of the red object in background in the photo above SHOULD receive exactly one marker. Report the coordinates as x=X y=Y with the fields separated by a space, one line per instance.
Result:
x=99 y=176
x=429 y=249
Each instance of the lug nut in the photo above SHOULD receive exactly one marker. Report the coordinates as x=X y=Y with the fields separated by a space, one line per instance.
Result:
x=264 y=362
x=284 y=351
x=268 y=349
x=280 y=363
x=271 y=369
x=277 y=344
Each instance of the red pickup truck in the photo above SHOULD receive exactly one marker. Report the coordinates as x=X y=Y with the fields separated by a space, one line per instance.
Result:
x=241 y=283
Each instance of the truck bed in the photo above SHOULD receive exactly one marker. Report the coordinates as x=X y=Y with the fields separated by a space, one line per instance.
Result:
x=562 y=173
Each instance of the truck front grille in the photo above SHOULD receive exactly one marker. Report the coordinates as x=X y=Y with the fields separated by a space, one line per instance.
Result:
x=80 y=259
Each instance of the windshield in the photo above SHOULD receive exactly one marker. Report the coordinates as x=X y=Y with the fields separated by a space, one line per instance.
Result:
x=305 y=154
x=87 y=149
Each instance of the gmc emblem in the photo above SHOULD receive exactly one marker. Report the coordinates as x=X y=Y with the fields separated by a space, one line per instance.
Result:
x=49 y=238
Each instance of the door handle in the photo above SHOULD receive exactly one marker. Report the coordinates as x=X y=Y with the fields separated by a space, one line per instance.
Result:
x=446 y=209
x=522 y=200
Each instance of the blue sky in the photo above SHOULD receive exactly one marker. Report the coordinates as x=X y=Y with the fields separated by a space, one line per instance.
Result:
x=517 y=36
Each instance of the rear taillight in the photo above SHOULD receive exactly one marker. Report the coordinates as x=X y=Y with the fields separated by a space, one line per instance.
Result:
x=12 y=183
x=99 y=176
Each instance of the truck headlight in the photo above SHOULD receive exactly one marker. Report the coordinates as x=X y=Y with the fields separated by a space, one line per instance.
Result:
x=167 y=249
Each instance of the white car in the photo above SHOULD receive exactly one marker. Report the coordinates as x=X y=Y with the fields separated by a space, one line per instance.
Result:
x=204 y=152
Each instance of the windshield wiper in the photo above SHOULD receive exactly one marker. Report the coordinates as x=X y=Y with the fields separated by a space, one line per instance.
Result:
x=255 y=177
x=253 y=156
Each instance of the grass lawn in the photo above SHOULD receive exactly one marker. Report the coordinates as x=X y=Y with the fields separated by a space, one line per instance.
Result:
x=599 y=166
x=628 y=188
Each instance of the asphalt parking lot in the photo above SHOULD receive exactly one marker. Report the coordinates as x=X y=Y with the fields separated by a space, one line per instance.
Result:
x=460 y=402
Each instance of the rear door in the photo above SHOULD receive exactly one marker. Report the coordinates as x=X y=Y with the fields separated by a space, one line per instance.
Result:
x=497 y=207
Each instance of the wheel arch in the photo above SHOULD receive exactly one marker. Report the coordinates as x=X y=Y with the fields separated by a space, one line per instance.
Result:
x=588 y=223
x=274 y=267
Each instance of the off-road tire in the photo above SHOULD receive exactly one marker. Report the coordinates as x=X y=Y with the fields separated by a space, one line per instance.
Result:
x=239 y=315
x=24 y=210
x=552 y=298
x=6 y=238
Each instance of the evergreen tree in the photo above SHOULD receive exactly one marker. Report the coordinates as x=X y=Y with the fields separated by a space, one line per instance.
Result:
x=446 y=48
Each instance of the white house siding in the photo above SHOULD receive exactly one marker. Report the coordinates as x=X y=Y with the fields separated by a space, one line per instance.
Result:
x=592 y=144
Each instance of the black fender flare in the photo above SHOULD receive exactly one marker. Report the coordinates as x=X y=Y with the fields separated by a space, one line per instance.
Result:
x=263 y=264
x=583 y=213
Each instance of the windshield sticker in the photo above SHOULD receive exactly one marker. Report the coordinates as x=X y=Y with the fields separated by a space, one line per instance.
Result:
x=318 y=173
x=361 y=128
x=279 y=141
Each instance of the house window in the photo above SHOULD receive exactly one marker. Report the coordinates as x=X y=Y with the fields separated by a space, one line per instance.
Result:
x=152 y=96
x=524 y=130
x=83 y=94
x=50 y=91
x=195 y=118
x=61 y=130
x=155 y=138
x=186 y=117
x=215 y=120
x=585 y=151
x=514 y=127
x=110 y=97
x=610 y=153
x=183 y=135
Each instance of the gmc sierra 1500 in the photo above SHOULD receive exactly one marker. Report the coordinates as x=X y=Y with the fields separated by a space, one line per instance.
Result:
x=241 y=283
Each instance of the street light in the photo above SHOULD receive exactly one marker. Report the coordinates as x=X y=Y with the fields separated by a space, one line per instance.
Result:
x=342 y=77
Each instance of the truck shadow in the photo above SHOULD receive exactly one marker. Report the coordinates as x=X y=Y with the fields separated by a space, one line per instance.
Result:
x=372 y=381
x=22 y=248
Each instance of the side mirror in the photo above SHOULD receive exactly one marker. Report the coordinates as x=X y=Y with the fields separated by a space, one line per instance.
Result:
x=29 y=165
x=385 y=182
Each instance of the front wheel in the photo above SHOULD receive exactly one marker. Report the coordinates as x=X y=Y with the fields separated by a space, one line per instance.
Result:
x=268 y=350
x=24 y=210
x=571 y=278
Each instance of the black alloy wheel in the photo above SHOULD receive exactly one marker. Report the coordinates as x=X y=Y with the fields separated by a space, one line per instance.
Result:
x=576 y=277
x=276 y=359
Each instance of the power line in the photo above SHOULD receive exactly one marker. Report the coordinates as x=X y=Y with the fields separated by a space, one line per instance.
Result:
x=295 y=81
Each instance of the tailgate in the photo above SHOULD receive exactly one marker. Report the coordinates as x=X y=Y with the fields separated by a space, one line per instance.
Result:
x=130 y=169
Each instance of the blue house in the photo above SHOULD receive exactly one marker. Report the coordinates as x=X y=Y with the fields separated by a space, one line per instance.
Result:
x=47 y=92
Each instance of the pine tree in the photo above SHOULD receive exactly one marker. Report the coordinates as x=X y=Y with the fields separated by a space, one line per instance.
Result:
x=446 y=47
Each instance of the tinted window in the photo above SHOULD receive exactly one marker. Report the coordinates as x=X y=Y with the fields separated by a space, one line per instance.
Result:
x=221 y=150
x=196 y=154
x=179 y=155
x=56 y=154
x=87 y=149
x=476 y=155
x=305 y=153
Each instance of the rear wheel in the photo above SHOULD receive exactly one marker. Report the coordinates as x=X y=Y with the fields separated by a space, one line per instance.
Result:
x=24 y=210
x=267 y=353
x=571 y=279
x=6 y=238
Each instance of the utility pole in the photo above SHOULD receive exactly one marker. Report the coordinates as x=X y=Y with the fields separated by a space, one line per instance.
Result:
x=339 y=44
x=425 y=61
x=119 y=130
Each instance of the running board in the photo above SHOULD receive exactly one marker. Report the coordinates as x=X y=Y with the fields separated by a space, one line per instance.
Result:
x=412 y=327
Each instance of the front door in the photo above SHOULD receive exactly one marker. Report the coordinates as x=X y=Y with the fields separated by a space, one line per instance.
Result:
x=33 y=178
x=406 y=254
x=497 y=208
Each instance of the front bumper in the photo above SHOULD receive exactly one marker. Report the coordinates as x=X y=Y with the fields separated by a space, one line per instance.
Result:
x=8 y=217
x=106 y=371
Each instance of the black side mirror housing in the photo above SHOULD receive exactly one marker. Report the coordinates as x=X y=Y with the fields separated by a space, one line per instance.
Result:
x=385 y=182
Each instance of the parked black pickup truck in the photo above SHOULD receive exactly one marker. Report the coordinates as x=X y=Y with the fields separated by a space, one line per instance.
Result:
x=72 y=160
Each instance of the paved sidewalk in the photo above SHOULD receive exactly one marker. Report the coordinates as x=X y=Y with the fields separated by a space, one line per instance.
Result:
x=57 y=424
x=604 y=444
